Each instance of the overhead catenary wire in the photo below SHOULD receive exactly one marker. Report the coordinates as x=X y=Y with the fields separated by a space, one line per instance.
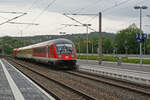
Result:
x=18 y=22
x=105 y=10
x=23 y=23
x=34 y=2
x=116 y=5
x=9 y=20
x=12 y=12
x=87 y=6
x=79 y=22
x=13 y=18
x=109 y=8
x=52 y=2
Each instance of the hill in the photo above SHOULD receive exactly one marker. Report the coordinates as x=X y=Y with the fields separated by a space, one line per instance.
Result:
x=40 y=38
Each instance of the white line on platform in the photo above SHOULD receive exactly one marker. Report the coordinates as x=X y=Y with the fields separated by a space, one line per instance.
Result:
x=51 y=98
x=17 y=94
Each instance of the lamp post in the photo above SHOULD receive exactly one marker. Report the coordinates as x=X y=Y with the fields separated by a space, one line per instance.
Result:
x=140 y=8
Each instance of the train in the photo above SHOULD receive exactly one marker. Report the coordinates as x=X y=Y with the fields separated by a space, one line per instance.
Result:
x=60 y=53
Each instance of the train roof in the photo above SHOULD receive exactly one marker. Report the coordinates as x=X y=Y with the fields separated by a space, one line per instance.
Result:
x=55 y=41
x=61 y=40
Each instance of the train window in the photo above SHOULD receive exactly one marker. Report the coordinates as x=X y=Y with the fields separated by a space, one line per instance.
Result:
x=40 y=50
x=64 y=48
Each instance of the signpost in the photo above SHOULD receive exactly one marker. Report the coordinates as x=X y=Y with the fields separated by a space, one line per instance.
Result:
x=141 y=37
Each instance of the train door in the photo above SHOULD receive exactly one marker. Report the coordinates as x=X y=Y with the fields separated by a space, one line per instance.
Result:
x=52 y=54
x=50 y=50
x=47 y=51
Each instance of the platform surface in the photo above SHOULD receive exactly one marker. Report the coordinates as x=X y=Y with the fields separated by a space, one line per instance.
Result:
x=16 y=86
x=129 y=66
x=130 y=72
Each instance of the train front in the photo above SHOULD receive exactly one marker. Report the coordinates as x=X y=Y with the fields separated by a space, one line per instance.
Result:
x=66 y=53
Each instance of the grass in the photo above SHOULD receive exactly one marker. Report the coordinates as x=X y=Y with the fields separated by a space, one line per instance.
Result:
x=115 y=59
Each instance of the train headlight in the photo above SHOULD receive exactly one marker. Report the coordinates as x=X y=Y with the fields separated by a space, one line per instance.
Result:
x=59 y=56
x=72 y=56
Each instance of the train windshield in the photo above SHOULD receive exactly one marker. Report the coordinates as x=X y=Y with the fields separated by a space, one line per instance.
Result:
x=64 y=48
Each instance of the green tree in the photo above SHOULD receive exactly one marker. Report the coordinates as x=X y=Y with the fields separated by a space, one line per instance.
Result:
x=125 y=40
x=107 y=45
x=148 y=45
x=7 y=44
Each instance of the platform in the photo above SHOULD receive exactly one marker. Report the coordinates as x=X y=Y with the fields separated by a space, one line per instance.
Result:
x=16 y=86
x=126 y=72
x=130 y=66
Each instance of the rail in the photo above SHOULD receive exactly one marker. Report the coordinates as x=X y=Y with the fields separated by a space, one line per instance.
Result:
x=82 y=94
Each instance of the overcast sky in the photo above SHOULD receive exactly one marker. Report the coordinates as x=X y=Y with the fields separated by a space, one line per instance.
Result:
x=116 y=15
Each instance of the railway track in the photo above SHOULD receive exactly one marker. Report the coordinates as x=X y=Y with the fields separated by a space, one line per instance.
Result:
x=130 y=86
x=74 y=93
x=136 y=92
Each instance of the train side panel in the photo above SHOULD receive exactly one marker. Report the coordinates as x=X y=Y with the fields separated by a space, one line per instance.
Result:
x=40 y=51
x=52 y=54
x=25 y=53
x=48 y=52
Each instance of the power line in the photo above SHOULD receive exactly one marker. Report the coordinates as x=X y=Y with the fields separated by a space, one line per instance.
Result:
x=110 y=8
x=12 y=12
x=23 y=23
x=42 y=12
x=18 y=22
x=71 y=25
x=116 y=5
x=13 y=18
x=78 y=22
x=87 y=6
x=107 y=9
x=34 y=2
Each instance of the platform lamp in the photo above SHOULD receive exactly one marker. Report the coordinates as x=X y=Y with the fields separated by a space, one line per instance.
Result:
x=140 y=8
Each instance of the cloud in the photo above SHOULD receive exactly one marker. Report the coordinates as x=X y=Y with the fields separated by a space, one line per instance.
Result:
x=115 y=16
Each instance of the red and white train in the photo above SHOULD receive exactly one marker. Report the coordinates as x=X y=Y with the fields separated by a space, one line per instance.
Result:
x=60 y=52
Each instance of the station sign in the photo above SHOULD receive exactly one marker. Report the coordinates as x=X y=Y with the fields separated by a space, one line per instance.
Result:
x=141 y=37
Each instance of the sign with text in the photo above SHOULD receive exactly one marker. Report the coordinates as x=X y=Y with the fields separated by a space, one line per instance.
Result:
x=141 y=37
